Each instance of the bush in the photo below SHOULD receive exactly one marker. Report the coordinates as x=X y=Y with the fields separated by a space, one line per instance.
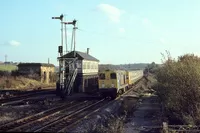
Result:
x=114 y=125
x=15 y=73
x=4 y=73
x=178 y=87
x=151 y=68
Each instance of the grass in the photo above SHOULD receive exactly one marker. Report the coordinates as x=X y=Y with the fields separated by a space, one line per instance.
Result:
x=21 y=83
x=110 y=126
x=7 y=67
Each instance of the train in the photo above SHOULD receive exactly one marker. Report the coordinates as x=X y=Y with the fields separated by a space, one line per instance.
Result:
x=112 y=83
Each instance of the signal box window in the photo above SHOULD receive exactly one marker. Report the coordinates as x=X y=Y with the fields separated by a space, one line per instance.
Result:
x=101 y=76
x=84 y=66
x=113 y=76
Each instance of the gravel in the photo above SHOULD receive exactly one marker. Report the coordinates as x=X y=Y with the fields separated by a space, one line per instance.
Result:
x=14 y=112
x=111 y=117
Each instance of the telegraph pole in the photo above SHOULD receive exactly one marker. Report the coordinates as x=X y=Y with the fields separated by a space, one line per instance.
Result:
x=6 y=58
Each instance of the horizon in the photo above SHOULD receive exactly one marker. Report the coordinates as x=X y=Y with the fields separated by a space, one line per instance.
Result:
x=116 y=32
x=99 y=63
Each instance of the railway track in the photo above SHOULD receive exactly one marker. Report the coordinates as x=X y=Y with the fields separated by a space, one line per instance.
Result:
x=132 y=88
x=37 y=120
x=20 y=98
x=74 y=124
x=58 y=119
x=63 y=123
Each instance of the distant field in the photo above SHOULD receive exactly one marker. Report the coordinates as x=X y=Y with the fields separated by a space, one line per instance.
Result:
x=7 y=67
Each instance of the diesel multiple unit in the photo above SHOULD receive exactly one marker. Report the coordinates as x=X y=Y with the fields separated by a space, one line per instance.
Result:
x=114 y=82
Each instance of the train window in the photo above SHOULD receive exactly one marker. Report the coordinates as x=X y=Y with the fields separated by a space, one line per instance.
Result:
x=101 y=76
x=113 y=76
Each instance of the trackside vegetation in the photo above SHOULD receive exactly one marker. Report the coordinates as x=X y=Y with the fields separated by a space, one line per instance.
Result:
x=178 y=86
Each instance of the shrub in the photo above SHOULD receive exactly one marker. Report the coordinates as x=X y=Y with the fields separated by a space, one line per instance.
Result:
x=178 y=87
x=4 y=73
x=110 y=126
x=15 y=73
x=34 y=76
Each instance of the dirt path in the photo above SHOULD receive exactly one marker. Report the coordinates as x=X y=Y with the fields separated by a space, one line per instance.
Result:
x=148 y=113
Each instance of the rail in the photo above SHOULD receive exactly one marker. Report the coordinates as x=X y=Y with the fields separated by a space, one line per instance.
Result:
x=58 y=122
x=98 y=109
x=66 y=121
x=15 y=99
x=49 y=118
x=20 y=123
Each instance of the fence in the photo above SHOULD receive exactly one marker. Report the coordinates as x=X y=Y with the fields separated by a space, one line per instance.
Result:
x=165 y=128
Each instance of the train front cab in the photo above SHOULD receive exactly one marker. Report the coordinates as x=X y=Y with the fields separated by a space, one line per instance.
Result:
x=108 y=84
x=112 y=83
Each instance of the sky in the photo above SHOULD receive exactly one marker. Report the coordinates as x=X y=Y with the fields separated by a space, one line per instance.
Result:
x=116 y=31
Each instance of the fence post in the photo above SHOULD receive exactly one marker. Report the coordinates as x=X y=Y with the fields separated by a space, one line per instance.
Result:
x=165 y=127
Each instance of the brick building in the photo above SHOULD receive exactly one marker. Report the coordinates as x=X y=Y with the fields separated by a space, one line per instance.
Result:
x=43 y=70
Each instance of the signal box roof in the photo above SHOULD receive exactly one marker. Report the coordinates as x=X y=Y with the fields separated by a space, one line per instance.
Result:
x=80 y=55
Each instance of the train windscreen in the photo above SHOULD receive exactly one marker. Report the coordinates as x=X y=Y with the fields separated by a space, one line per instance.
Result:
x=102 y=76
x=113 y=76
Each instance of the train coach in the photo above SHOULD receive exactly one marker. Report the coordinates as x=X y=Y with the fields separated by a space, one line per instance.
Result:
x=116 y=82
x=133 y=76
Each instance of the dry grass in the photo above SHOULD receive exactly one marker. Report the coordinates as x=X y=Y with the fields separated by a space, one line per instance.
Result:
x=113 y=125
x=16 y=83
